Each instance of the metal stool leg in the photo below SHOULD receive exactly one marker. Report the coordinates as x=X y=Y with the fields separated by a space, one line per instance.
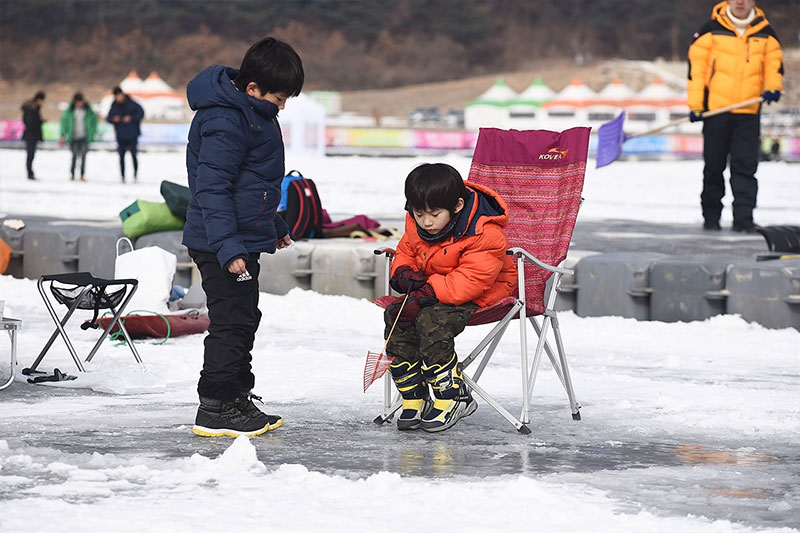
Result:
x=59 y=328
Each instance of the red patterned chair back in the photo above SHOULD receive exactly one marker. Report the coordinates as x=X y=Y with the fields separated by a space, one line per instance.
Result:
x=540 y=175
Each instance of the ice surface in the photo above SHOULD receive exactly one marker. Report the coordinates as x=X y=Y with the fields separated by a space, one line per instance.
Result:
x=686 y=426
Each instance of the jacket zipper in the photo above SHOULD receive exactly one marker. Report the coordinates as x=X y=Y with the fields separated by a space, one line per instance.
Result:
x=261 y=210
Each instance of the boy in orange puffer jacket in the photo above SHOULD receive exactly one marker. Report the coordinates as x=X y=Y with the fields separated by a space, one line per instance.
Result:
x=451 y=261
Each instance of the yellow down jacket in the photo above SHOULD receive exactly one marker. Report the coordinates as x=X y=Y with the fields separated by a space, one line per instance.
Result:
x=725 y=68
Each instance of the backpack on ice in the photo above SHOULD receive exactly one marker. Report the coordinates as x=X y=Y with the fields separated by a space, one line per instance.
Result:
x=300 y=206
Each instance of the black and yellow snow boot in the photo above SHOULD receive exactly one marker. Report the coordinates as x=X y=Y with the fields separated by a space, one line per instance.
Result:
x=247 y=405
x=218 y=418
x=411 y=384
x=453 y=400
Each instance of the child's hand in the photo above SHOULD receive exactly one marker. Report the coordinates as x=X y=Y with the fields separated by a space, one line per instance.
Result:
x=416 y=301
x=237 y=266
x=406 y=280
x=285 y=242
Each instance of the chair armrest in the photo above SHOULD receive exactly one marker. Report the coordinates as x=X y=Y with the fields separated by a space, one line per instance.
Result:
x=388 y=252
x=530 y=257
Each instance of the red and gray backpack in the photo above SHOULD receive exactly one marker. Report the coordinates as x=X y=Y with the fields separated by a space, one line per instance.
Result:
x=300 y=206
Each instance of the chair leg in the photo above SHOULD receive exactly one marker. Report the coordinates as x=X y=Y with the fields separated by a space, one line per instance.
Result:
x=501 y=325
x=549 y=351
x=537 y=356
x=521 y=426
x=489 y=351
x=573 y=403
x=59 y=328
x=387 y=390
x=560 y=364
x=389 y=411
x=107 y=330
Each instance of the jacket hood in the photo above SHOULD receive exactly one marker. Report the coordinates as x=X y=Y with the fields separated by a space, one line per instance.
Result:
x=214 y=88
x=483 y=205
x=718 y=13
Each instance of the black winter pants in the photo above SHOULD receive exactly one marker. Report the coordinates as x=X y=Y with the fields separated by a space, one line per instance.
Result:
x=233 y=310
x=79 y=149
x=30 y=148
x=737 y=136
x=122 y=147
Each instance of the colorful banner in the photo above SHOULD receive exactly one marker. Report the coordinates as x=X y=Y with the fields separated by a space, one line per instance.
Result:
x=448 y=140
x=159 y=134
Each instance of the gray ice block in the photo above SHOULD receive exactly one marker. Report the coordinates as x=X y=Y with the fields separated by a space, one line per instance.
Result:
x=767 y=292
x=615 y=284
x=688 y=288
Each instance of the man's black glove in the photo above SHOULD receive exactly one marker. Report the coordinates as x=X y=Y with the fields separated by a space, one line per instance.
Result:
x=406 y=279
x=696 y=115
x=771 y=96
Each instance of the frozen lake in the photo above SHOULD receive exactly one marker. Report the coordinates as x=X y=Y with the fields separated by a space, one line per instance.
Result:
x=686 y=427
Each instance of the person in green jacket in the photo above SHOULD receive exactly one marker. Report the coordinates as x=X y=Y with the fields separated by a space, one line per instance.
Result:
x=78 y=127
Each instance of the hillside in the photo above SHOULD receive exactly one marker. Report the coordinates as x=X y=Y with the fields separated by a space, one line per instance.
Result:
x=399 y=101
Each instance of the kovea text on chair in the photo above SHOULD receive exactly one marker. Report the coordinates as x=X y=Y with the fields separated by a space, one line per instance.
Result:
x=154 y=267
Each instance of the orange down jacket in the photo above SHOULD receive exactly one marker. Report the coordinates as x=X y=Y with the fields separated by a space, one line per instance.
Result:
x=725 y=68
x=471 y=265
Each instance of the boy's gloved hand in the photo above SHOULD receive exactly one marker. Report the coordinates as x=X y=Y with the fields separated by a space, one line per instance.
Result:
x=406 y=279
x=771 y=96
x=416 y=301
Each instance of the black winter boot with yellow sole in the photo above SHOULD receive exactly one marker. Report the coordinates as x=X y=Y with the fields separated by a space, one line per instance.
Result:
x=230 y=418
x=453 y=400
x=411 y=384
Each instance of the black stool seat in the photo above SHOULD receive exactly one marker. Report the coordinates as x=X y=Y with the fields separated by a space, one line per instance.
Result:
x=86 y=278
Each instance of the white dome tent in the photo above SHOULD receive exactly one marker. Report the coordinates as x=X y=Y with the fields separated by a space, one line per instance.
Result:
x=524 y=112
x=157 y=98
x=132 y=83
x=491 y=108
x=303 y=126
x=567 y=108
x=609 y=102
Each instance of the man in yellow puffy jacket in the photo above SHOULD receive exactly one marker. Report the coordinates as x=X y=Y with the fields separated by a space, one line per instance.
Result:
x=735 y=56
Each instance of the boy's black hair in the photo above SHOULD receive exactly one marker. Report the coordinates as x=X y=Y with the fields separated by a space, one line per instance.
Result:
x=274 y=66
x=116 y=90
x=39 y=95
x=434 y=185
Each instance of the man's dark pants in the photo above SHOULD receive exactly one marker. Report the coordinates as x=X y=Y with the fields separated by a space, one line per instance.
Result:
x=30 y=147
x=233 y=310
x=736 y=135
x=79 y=148
x=122 y=147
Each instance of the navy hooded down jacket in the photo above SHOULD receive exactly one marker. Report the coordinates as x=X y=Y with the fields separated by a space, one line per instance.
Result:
x=235 y=162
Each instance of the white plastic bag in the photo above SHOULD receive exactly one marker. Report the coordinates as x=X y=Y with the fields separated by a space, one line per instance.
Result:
x=154 y=267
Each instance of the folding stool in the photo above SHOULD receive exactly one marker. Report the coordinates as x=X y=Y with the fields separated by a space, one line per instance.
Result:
x=81 y=290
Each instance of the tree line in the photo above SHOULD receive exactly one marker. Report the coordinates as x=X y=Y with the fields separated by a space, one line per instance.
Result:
x=345 y=44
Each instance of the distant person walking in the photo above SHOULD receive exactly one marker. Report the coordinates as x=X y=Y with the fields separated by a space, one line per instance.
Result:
x=735 y=56
x=126 y=116
x=78 y=126
x=32 y=119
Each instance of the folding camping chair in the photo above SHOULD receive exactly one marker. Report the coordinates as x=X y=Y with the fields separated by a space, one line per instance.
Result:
x=81 y=290
x=539 y=174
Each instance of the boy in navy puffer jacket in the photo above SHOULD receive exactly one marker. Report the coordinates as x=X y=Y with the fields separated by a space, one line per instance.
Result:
x=235 y=164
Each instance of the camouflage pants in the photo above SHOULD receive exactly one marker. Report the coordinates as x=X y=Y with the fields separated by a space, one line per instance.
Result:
x=432 y=337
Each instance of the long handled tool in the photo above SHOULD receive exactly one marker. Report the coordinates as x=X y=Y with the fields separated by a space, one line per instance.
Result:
x=378 y=363
x=610 y=136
